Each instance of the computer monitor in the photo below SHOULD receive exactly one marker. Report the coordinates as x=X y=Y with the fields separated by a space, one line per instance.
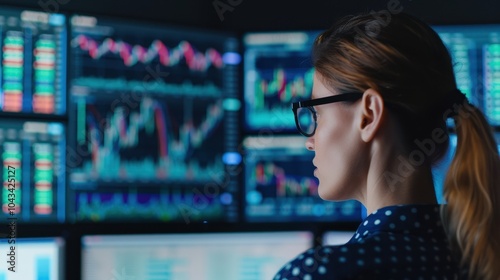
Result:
x=337 y=237
x=475 y=50
x=154 y=122
x=208 y=256
x=280 y=185
x=278 y=70
x=440 y=169
x=33 y=62
x=32 y=258
x=33 y=155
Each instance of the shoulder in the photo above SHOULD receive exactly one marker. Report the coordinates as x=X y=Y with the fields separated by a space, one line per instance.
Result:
x=328 y=262
x=378 y=256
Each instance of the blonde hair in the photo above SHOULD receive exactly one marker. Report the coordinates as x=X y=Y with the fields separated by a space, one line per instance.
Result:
x=471 y=190
x=407 y=62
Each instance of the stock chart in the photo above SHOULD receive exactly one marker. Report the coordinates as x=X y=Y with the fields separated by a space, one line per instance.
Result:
x=280 y=186
x=155 y=113
x=475 y=51
x=33 y=62
x=278 y=71
x=33 y=161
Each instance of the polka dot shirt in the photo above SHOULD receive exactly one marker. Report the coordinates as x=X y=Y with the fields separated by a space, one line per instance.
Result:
x=394 y=242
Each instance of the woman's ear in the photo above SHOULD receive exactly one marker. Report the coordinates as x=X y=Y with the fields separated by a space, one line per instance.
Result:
x=372 y=114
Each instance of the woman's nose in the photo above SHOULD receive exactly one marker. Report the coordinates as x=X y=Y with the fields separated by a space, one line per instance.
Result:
x=310 y=144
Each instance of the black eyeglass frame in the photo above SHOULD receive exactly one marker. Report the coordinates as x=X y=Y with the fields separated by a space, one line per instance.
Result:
x=308 y=104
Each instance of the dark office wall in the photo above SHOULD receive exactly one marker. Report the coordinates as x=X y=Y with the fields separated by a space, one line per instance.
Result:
x=248 y=15
x=195 y=13
x=317 y=14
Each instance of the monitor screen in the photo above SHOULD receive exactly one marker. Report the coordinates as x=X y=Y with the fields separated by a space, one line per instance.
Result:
x=154 y=122
x=34 y=178
x=209 y=256
x=440 y=169
x=280 y=186
x=33 y=62
x=475 y=51
x=278 y=70
x=32 y=258
x=337 y=237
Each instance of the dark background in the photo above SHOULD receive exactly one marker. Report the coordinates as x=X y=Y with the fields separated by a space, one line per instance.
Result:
x=257 y=15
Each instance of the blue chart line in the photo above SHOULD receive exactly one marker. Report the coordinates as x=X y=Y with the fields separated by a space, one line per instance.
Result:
x=186 y=88
x=164 y=207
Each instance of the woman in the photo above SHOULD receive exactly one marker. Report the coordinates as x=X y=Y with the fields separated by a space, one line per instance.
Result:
x=377 y=122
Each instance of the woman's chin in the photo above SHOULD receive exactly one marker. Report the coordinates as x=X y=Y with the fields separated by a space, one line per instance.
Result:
x=324 y=194
x=330 y=194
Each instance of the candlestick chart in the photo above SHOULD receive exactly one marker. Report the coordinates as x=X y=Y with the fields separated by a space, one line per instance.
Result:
x=159 y=141
x=280 y=186
x=275 y=87
x=151 y=127
x=277 y=73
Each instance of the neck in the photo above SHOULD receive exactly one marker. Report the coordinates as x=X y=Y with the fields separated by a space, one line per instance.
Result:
x=399 y=182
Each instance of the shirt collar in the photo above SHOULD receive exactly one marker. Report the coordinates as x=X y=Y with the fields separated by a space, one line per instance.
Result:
x=407 y=219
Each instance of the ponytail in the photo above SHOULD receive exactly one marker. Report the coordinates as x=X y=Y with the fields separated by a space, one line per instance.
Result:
x=472 y=192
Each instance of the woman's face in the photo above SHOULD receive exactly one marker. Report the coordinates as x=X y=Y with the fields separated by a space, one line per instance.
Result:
x=336 y=144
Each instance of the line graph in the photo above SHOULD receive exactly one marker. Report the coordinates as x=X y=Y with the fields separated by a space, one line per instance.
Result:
x=278 y=71
x=132 y=54
x=152 y=142
x=144 y=64
x=185 y=88
x=163 y=206
x=270 y=175
x=281 y=86
x=280 y=186
x=272 y=84
x=150 y=118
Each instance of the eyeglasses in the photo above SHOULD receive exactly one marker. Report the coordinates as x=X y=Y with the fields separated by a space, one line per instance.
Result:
x=305 y=115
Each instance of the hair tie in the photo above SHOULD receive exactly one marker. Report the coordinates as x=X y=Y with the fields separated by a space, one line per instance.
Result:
x=455 y=97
